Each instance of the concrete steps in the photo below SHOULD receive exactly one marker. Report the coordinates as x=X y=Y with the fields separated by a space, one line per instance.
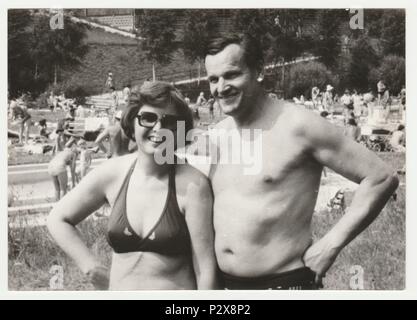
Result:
x=104 y=101
x=40 y=208
x=22 y=202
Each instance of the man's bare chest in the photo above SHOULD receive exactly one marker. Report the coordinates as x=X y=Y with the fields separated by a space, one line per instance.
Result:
x=267 y=165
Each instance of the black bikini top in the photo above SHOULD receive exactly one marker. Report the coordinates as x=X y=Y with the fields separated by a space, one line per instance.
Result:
x=169 y=235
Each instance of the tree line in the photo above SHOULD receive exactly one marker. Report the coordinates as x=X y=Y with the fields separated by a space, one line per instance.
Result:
x=348 y=57
x=37 y=54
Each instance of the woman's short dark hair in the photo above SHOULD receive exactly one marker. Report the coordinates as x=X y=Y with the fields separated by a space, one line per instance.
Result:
x=253 y=54
x=157 y=94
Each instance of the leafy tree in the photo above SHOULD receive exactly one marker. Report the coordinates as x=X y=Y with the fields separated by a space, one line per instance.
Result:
x=157 y=29
x=372 y=23
x=36 y=52
x=392 y=71
x=327 y=35
x=363 y=59
x=393 y=32
x=288 y=41
x=255 y=23
x=389 y=27
x=19 y=64
x=198 y=27
x=58 y=48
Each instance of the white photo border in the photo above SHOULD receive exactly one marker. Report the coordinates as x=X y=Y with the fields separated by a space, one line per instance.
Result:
x=411 y=156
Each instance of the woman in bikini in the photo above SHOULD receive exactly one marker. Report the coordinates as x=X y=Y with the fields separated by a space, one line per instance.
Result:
x=160 y=227
x=57 y=169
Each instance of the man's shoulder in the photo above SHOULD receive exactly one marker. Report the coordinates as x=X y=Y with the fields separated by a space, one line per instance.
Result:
x=296 y=115
x=299 y=121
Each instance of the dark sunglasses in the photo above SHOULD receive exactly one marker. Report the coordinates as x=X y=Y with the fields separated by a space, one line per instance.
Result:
x=150 y=119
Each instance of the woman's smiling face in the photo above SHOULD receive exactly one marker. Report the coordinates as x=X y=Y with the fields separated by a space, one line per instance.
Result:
x=149 y=139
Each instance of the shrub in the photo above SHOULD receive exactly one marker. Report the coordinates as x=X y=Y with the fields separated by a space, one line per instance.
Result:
x=72 y=90
x=305 y=76
x=77 y=92
x=392 y=71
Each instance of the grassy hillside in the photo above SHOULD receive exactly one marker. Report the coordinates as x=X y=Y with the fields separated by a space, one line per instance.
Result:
x=124 y=58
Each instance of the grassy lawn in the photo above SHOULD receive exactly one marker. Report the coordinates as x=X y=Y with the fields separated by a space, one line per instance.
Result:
x=32 y=253
x=16 y=156
x=379 y=251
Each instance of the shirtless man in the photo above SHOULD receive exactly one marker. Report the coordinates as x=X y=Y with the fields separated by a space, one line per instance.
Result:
x=262 y=224
x=119 y=142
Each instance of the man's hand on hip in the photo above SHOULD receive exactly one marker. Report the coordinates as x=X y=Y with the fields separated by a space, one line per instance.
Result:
x=319 y=257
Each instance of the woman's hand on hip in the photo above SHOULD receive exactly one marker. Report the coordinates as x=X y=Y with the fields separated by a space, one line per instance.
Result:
x=99 y=277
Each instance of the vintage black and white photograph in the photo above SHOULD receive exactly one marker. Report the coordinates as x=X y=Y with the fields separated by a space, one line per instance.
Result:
x=206 y=149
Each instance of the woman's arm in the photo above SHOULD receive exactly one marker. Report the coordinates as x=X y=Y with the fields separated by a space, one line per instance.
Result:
x=76 y=206
x=100 y=138
x=199 y=218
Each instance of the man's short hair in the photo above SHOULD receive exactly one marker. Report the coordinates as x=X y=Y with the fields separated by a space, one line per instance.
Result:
x=157 y=94
x=253 y=54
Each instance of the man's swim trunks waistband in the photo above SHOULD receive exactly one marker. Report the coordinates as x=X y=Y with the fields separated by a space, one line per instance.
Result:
x=297 y=279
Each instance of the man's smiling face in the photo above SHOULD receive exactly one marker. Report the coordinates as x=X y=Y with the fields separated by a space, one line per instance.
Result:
x=232 y=83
